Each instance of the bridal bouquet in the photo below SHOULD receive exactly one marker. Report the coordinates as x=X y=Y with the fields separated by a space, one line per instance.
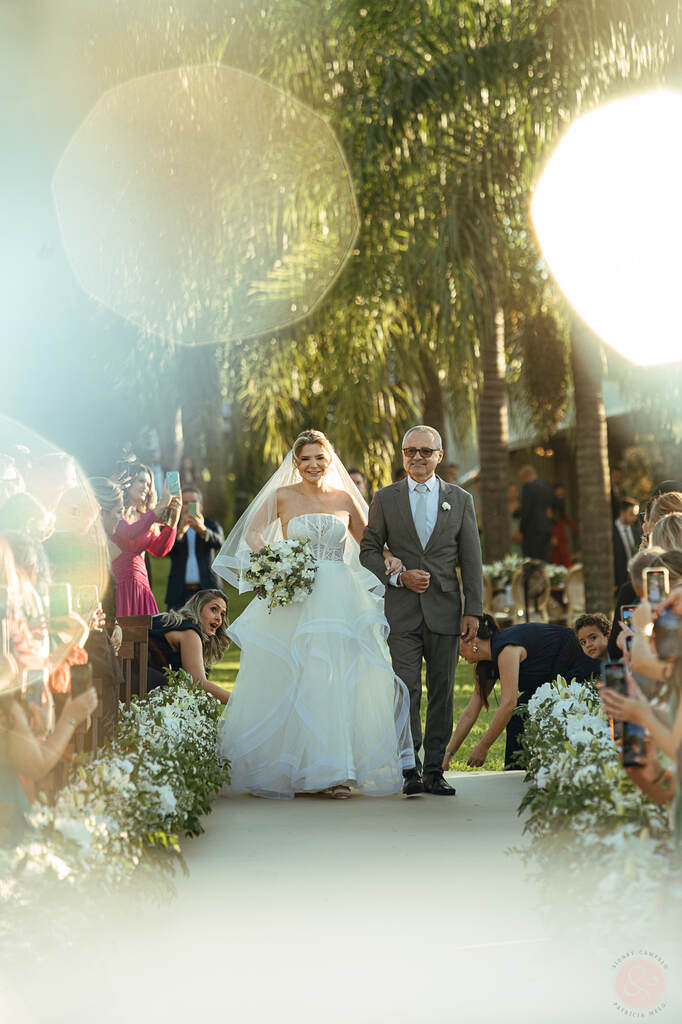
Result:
x=282 y=573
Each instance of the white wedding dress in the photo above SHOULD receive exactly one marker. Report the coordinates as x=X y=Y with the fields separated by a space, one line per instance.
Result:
x=316 y=702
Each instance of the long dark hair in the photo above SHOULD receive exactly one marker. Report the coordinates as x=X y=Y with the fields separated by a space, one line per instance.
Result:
x=485 y=673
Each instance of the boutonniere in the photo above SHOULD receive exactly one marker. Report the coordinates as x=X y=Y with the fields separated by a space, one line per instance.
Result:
x=446 y=506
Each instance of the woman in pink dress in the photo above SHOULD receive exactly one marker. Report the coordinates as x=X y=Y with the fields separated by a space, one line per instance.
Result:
x=143 y=528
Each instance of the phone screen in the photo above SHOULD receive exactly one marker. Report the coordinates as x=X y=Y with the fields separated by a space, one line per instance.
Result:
x=656 y=584
x=193 y=508
x=613 y=675
x=626 y=613
x=173 y=482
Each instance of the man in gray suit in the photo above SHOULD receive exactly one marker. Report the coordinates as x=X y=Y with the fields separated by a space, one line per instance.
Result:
x=431 y=526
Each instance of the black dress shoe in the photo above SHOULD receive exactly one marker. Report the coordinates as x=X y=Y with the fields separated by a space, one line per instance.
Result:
x=413 y=783
x=437 y=785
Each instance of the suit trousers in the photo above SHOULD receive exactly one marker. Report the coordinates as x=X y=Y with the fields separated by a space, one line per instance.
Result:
x=440 y=652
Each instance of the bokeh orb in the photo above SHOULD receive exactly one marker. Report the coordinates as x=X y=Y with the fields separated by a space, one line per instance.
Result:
x=205 y=205
x=608 y=215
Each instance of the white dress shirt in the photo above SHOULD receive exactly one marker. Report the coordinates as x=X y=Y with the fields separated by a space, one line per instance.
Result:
x=192 y=574
x=431 y=495
x=627 y=538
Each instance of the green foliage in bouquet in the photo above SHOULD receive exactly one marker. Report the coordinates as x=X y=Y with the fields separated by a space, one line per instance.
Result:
x=282 y=573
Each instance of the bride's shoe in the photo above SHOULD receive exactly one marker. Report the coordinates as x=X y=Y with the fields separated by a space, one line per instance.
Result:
x=339 y=792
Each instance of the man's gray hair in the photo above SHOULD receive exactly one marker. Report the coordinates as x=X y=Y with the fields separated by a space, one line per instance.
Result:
x=429 y=430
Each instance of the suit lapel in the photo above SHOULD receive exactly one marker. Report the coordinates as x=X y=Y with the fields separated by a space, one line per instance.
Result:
x=406 y=511
x=442 y=513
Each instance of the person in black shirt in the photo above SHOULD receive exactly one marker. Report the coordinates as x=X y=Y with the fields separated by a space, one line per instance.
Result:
x=523 y=657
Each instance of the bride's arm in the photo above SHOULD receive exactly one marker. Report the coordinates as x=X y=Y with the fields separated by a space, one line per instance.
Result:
x=356 y=528
x=265 y=515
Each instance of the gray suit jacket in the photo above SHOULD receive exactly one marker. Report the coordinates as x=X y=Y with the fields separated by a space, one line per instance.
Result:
x=454 y=540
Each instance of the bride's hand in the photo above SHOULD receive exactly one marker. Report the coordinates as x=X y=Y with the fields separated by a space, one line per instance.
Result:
x=393 y=564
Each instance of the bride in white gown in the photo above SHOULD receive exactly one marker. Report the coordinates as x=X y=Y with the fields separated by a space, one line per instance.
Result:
x=316 y=705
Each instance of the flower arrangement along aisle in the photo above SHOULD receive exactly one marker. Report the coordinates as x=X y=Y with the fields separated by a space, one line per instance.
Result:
x=584 y=813
x=124 y=810
x=282 y=573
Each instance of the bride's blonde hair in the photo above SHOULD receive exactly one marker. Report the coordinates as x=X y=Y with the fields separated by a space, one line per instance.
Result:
x=311 y=437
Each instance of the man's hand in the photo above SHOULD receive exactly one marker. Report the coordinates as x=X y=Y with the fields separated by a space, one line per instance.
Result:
x=469 y=627
x=416 y=580
x=478 y=755
x=197 y=523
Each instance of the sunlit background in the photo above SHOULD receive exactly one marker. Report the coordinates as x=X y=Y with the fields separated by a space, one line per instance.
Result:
x=608 y=214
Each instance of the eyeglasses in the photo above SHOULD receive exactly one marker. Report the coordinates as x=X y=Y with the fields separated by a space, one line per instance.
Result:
x=425 y=453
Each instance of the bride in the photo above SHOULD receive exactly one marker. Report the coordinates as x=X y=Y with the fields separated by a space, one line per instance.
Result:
x=316 y=705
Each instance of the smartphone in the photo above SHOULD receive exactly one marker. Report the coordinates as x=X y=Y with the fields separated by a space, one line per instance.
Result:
x=173 y=482
x=193 y=508
x=667 y=635
x=613 y=676
x=626 y=613
x=88 y=599
x=81 y=679
x=60 y=601
x=656 y=584
x=633 y=745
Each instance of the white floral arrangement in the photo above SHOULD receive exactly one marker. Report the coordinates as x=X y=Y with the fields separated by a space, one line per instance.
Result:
x=282 y=573
x=582 y=809
x=556 y=574
x=500 y=573
x=126 y=808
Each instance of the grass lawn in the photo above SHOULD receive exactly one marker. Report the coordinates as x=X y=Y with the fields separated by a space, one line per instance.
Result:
x=225 y=673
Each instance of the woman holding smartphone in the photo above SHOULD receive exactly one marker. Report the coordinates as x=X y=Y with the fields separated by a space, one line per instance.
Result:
x=143 y=528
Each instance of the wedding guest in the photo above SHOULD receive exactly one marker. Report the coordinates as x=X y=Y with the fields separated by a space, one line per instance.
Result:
x=667 y=533
x=24 y=513
x=592 y=632
x=191 y=638
x=50 y=476
x=560 y=552
x=109 y=498
x=664 y=505
x=139 y=531
x=30 y=746
x=626 y=595
x=523 y=657
x=197 y=543
x=626 y=539
x=616 y=491
x=656 y=779
x=360 y=481
x=536 y=510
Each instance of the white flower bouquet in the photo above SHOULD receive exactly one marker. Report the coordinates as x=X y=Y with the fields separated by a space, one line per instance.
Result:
x=282 y=573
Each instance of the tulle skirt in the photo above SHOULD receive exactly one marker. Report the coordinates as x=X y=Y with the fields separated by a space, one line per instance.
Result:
x=316 y=702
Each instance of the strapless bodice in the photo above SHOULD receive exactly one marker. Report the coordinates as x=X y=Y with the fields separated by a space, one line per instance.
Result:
x=325 y=533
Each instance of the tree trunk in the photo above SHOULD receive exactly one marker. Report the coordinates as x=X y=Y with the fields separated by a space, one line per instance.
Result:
x=592 y=467
x=493 y=433
x=433 y=402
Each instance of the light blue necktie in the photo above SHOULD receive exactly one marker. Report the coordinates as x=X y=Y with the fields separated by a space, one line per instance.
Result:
x=420 y=513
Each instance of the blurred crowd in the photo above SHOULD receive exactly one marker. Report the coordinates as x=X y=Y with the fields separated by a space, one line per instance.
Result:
x=72 y=576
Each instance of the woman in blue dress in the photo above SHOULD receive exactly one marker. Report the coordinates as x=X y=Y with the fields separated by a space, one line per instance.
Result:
x=523 y=658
